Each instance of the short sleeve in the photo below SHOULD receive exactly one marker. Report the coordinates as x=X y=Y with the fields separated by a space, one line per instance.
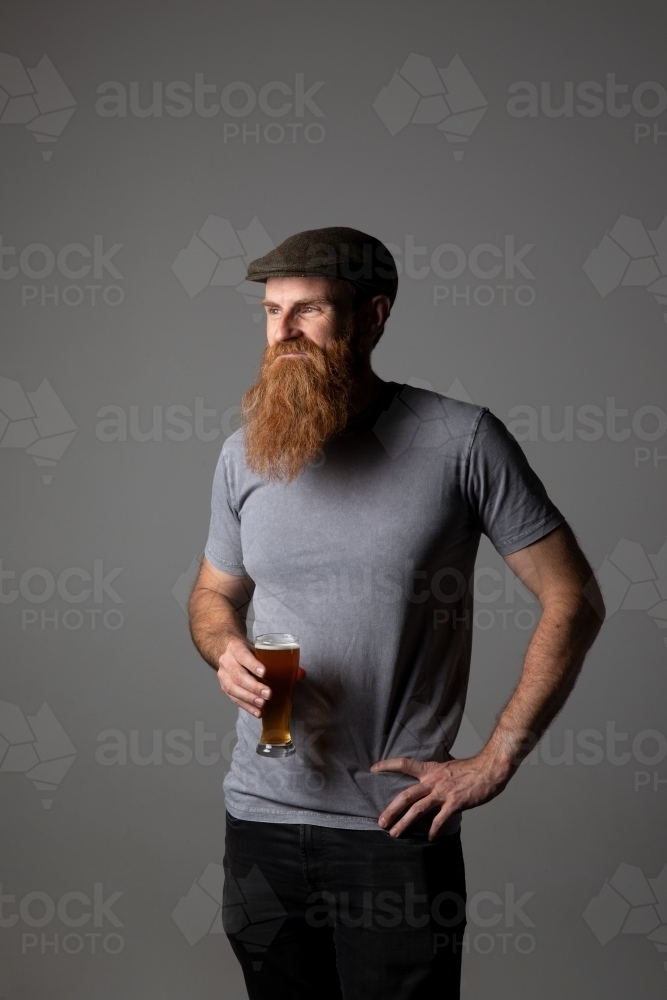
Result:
x=507 y=499
x=223 y=547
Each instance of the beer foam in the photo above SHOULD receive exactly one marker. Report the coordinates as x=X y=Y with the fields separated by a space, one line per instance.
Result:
x=279 y=642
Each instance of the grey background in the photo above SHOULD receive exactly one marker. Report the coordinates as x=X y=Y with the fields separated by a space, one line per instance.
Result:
x=558 y=831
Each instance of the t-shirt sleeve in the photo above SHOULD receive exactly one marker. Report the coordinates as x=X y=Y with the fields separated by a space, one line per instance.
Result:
x=507 y=499
x=223 y=547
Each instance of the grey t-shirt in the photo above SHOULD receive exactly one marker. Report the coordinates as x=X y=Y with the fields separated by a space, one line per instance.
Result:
x=368 y=557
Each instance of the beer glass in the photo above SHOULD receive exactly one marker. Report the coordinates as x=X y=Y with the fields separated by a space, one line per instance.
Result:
x=279 y=652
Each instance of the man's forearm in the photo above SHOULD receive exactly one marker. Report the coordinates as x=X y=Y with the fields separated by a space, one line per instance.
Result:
x=214 y=620
x=552 y=663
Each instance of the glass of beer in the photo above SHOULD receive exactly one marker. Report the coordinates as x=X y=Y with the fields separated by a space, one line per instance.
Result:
x=279 y=652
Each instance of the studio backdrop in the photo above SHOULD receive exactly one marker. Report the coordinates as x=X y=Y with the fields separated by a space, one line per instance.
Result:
x=512 y=157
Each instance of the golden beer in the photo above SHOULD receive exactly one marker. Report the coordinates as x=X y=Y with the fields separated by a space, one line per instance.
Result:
x=279 y=652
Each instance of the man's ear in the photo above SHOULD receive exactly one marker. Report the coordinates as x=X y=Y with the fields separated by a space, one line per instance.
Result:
x=379 y=312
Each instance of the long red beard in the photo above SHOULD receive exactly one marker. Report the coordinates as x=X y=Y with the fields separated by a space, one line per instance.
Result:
x=296 y=406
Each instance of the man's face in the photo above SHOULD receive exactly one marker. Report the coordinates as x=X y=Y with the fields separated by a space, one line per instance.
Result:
x=314 y=354
x=298 y=309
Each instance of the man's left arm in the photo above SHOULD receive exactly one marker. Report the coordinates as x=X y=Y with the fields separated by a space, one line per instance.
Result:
x=557 y=572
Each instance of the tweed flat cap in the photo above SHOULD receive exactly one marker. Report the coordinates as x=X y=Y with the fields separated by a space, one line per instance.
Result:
x=333 y=252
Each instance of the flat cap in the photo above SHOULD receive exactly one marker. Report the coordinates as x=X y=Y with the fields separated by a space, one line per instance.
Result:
x=333 y=252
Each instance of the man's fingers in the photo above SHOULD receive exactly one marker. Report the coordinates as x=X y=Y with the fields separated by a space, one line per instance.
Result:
x=418 y=809
x=243 y=678
x=406 y=764
x=241 y=697
x=244 y=655
x=439 y=821
x=400 y=803
x=236 y=692
x=247 y=708
x=241 y=686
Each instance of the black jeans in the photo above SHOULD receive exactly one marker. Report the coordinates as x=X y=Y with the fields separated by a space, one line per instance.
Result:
x=334 y=914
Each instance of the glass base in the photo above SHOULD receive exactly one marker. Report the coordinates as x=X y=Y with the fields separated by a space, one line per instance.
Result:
x=276 y=749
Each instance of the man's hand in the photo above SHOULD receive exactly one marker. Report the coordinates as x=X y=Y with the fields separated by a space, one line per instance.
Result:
x=450 y=786
x=237 y=672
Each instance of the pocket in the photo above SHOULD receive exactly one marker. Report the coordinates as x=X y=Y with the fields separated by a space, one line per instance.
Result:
x=232 y=821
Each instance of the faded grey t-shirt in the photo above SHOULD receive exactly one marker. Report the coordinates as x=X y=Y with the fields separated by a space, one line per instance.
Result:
x=368 y=557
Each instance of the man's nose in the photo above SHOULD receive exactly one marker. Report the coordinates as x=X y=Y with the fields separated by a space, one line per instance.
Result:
x=286 y=328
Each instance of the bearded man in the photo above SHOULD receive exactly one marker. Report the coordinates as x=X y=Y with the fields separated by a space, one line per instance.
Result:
x=350 y=510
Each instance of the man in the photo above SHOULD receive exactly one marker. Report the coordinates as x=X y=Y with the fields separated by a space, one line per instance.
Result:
x=350 y=510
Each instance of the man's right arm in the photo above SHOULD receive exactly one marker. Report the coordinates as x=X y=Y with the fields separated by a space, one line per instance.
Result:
x=217 y=609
